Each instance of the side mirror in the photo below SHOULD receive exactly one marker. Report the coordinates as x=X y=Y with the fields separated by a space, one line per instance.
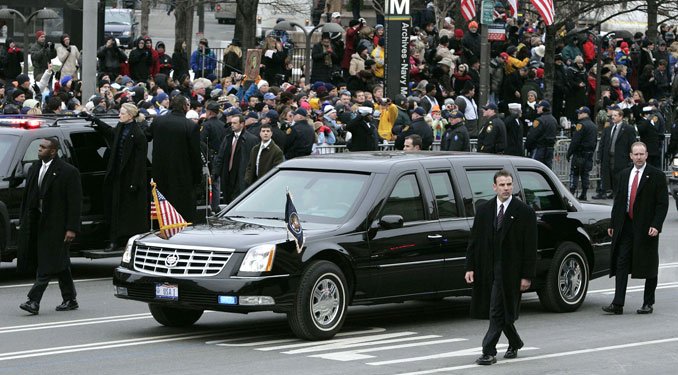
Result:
x=19 y=175
x=391 y=222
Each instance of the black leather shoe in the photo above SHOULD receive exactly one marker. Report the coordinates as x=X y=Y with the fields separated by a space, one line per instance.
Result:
x=610 y=196
x=582 y=197
x=598 y=196
x=486 y=359
x=30 y=306
x=71 y=304
x=646 y=309
x=512 y=352
x=614 y=309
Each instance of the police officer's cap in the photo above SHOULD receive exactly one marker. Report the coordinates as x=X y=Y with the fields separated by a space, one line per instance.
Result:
x=584 y=110
x=545 y=104
x=214 y=107
x=491 y=106
x=301 y=111
x=456 y=114
x=420 y=111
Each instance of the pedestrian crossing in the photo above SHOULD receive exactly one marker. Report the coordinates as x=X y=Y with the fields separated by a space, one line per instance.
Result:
x=372 y=346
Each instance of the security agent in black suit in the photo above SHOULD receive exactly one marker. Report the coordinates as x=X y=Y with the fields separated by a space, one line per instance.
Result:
x=364 y=135
x=582 y=147
x=514 y=131
x=500 y=264
x=50 y=220
x=638 y=213
x=300 y=136
x=418 y=126
x=613 y=152
x=231 y=162
x=648 y=131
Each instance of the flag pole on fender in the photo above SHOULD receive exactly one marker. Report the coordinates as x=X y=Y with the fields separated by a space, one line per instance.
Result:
x=293 y=223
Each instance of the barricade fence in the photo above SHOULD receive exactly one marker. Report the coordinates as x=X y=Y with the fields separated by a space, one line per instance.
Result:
x=561 y=167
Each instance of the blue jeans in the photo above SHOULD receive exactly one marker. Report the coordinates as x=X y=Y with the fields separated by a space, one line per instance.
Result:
x=544 y=155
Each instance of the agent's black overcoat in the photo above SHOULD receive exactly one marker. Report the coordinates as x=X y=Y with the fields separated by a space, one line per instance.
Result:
x=41 y=237
x=126 y=183
x=649 y=210
x=177 y=165
x=518 y=239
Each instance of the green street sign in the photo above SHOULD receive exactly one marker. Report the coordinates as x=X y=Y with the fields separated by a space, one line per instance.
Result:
x=486 y=12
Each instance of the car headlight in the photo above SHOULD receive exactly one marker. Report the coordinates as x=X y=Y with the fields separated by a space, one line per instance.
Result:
x=127 y=255
x=127 y=33
x=259 y=259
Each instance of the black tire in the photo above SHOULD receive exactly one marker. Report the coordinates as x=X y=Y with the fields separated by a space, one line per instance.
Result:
x=174 y=316
x=314 y=318
x=567 y=280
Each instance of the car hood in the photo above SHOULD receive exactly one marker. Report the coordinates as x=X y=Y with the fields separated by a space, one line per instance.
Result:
x=240 y=234
x=116 y=28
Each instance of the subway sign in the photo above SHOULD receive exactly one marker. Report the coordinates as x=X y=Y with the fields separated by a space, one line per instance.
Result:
x=397 y=53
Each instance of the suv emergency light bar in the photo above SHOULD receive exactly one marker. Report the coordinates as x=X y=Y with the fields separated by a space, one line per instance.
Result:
x=21 y=123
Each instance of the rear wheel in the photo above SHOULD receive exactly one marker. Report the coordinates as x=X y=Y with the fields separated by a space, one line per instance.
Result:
x=567 y=280
x=174 y=316
x=319 y=308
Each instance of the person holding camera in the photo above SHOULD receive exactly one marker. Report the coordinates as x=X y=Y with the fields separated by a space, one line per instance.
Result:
x=110 y=57
x=42 y=53
x=140 y=61
x=69 y=55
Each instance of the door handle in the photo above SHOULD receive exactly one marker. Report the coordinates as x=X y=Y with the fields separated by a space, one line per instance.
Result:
x=435 y=236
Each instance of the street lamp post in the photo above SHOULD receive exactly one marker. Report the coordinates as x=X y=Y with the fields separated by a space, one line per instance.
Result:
x=326 y=28
x=41 y=14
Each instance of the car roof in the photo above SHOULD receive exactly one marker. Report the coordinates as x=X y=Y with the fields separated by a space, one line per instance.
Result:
x=382 y=161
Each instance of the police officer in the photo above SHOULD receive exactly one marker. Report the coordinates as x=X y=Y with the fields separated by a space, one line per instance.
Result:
x=300 y=136
x=212 y=133
x=648 y=130
x=542 y=136
x=514 y=131
x=419 y=126
x=492 y=137
x=456 y=136
x=581 y=151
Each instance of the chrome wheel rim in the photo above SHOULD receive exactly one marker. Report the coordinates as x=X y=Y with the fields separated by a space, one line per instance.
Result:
x=326 y=300
x=571 y=278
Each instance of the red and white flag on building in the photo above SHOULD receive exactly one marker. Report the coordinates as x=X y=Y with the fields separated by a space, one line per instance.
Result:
x=468 y=9
x=513 y=5
x=545 y=9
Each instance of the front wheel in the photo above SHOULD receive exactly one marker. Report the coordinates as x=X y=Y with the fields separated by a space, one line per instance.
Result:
x=567 y=280
x=319 y=308
x=174 y=316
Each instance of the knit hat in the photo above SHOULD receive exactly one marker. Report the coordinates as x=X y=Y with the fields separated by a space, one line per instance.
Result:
x=301 y=111
x=329 y=109
x=272 y=114
x=472 y=24
x=458 y=33
x=23 y=78
x=160 y=97
x=192 y=115
x=64 y=80
x=420 y=111
x=39 y=33
x=262 y=83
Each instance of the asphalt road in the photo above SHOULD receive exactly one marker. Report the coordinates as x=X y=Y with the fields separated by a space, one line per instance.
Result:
x=111 y=336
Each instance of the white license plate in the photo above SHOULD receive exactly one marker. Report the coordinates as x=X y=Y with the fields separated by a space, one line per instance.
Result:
x=167 y=291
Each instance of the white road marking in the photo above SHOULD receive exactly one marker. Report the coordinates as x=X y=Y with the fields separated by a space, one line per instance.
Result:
x=547 y=356
x=323 y=348
x=640 y=288
x=458 y=353
x=353 y=355
x=104 y=345
x=72 y=323
x=279 y=341
x=55 y=283
x=340 y=341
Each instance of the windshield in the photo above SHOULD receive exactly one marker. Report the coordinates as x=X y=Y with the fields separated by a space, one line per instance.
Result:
x=118 y=18
x=319 y=196
x=7 y=145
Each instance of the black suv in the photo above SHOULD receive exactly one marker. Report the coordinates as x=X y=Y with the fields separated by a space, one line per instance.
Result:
x=379 y=227
x=81 y=146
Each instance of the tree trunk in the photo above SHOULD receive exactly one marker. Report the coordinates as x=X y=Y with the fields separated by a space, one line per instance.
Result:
x=183 y=27
x=145 y=11
x=550 y=53
x=246 y=23
x=652 y=10
x=201 y=17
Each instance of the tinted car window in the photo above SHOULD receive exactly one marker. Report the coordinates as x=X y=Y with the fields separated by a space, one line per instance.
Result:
x=538 y=192
x=7 y=145
x=90 y=151
x=31 y=153
x=405 y=200
x=444 y=194
x=481 y=182
x=322 y=197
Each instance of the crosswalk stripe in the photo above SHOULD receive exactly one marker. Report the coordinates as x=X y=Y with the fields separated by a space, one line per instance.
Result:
x=356 y=345
x=353 y=355
x=242 y=340
x=459 y=353
x=346 y=341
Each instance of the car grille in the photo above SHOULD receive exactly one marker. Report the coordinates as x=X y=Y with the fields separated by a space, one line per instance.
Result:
x=188 y=261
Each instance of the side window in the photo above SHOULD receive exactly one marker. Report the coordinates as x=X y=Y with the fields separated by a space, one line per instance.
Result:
x=538 y=192
x=405 y=200
x=90 y=151
x=481 y=182
x=31 y=154
x=444 y=194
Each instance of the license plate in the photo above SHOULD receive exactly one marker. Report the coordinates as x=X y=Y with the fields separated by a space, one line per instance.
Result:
x=167 y=291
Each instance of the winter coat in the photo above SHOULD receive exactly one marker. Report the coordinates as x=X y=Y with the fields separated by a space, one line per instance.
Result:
x=41 y=55
x=70 y=59
x=140 y=61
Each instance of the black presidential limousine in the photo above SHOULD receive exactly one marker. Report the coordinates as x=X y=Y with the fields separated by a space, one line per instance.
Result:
x=379 y=227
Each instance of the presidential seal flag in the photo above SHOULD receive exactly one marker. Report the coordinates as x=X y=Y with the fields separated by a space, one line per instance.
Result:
x=294 y=223
x=169 y=220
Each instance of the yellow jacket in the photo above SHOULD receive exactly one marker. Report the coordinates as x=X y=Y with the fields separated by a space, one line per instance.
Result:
x=386 y=122
x=513 y=64
x=378 y=57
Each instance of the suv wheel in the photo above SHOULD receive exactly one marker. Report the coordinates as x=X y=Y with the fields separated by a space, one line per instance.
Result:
x=319 y=308
x=567 y=280
x=174 y=316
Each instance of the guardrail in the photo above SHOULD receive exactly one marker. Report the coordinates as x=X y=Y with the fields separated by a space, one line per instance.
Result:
x=561 y=167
